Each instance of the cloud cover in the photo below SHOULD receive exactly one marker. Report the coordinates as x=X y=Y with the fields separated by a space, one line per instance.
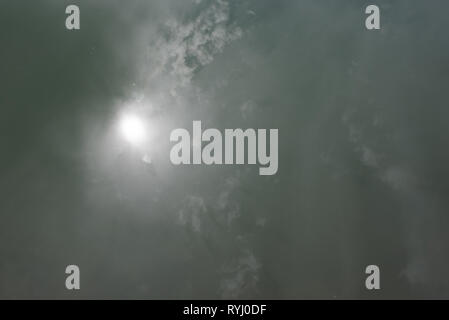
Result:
x=362 y=176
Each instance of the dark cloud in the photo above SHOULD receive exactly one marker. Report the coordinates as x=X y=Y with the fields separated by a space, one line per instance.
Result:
x=362 y=153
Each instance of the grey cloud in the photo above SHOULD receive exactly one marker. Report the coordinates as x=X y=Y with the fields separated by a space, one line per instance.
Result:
x=241 y=277
x=192 y=212
x=190 y=45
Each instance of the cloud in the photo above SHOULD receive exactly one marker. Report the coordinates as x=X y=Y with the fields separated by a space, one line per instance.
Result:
x=241 y=277
x=228 y=209
x=420 y=209
x=191 y=213
x=247 y=109
x=194 y=212
x=184 y=47
x=398 y=178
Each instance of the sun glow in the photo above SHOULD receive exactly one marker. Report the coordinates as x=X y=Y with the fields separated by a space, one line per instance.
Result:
x=133 y=129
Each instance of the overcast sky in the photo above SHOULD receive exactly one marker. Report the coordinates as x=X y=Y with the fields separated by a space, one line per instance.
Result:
x=363 y=149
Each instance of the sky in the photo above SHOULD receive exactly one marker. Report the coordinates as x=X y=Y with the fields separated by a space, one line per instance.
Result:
x=363 y=149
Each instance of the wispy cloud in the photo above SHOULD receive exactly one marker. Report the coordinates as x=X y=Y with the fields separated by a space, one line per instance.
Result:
x=184 y=47
x=191 y=213
x=241 y=277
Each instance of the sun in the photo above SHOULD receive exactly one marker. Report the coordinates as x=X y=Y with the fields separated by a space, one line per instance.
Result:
x=133 y=129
